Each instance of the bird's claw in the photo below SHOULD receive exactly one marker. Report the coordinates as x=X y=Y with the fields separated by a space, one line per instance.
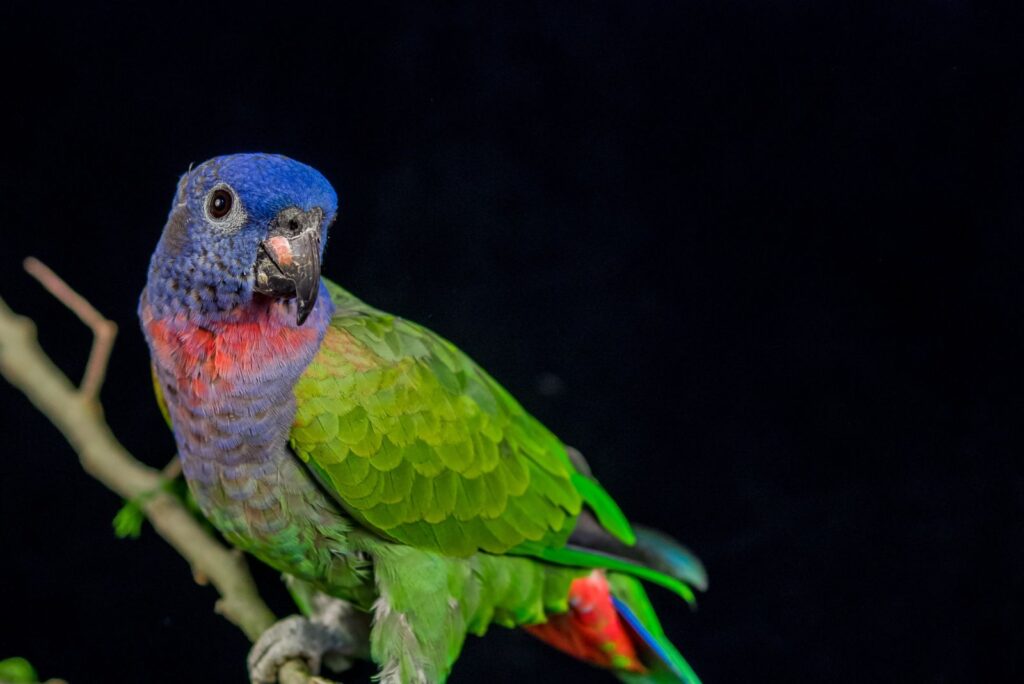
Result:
x=298 y=637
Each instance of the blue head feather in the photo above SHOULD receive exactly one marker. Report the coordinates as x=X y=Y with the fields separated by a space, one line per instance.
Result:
x=204 y=266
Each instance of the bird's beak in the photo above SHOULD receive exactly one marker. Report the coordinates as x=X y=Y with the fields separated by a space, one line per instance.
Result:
x=288 y=261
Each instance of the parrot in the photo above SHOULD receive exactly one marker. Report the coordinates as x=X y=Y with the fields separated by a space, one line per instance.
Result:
x=371 y=461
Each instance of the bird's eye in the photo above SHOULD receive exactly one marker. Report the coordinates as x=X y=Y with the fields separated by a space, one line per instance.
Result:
x=220 y=203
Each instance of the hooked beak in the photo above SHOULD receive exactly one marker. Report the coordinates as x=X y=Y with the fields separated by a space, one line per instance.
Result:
x=288 y=261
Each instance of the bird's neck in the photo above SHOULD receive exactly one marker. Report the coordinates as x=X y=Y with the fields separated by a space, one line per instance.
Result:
x=228 y=381
x=229 y=386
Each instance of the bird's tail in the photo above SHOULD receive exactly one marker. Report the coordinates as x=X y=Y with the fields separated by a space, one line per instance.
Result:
x=611 y=623
x=663 y=663
x=664 y=554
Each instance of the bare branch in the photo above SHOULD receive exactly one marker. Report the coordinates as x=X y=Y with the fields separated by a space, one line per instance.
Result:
x=172 y=469
x=73 y=411
x=104 y=330
x=297 y=672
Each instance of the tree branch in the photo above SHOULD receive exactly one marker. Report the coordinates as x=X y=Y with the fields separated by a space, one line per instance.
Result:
x=74 y=411
x=104 y=331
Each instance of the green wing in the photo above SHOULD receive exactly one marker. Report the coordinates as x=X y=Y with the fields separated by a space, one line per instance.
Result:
x=423 y=447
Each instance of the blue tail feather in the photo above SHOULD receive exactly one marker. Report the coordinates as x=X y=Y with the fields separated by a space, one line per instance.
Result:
x=675 y=668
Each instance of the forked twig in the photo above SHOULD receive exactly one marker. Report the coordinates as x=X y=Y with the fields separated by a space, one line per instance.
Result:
x=104 y=330
x=26 y=366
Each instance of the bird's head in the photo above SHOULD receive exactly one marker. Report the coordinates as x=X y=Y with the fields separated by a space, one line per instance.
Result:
x=240 y=227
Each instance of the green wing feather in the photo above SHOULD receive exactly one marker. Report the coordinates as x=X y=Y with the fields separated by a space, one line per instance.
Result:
x=575 y=556
x=423 y=447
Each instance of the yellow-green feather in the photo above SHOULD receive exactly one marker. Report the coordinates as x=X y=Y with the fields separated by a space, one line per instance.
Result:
x=422 y=446
x=160 y=401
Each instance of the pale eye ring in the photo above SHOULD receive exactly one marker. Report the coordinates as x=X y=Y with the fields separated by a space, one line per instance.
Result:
x=220 y=203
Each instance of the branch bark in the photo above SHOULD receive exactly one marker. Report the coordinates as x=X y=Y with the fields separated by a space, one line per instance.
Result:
x=77 y=413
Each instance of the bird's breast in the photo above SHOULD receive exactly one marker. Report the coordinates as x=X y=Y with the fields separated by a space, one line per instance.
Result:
x=228 y=385
x=229 y=390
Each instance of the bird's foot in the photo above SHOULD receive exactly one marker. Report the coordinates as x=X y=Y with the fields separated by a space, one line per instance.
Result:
x=333 y=636
x=292 y=637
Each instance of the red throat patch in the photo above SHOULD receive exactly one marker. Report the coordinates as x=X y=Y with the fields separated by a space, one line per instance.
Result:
x=226 y=352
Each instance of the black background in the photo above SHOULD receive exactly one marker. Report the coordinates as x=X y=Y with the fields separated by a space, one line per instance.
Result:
x=761 y=262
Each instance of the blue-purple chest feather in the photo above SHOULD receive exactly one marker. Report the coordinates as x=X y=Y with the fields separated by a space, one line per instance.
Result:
x=228 y=384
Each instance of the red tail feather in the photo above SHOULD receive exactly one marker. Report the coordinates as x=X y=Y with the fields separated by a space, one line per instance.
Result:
x=592 y=630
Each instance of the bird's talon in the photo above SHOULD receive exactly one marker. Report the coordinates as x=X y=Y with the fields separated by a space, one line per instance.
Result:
x=297 y=637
